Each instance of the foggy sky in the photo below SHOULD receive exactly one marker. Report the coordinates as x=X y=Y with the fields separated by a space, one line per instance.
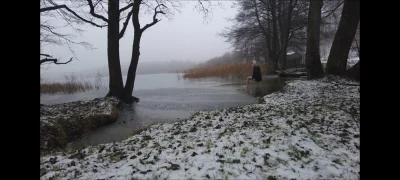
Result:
x=185 y=37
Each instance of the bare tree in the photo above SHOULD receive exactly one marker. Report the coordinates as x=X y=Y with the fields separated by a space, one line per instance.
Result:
x=112 y=9
x=129 y=85
x=337 y=60
x=313 y=60
x=163 y=7
x=93 y=11
x=114 y=13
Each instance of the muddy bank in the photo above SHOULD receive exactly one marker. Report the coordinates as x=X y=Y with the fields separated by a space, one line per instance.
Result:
x=63 y=123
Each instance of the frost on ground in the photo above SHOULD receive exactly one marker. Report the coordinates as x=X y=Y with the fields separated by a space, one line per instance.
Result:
x=308 y=130
x=65 y=122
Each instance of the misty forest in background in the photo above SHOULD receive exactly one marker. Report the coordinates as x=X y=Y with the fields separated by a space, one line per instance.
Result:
x=294 y=34
x=280 y=34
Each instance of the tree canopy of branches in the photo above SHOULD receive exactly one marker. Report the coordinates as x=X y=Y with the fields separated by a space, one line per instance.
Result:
x=280 y=25
x=50 y=32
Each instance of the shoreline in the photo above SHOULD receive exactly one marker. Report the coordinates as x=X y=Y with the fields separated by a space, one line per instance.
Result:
x=309 y=129
x=63 y=123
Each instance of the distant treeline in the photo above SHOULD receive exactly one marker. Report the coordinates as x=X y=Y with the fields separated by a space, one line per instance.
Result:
x=227 y=58
x=149 y=68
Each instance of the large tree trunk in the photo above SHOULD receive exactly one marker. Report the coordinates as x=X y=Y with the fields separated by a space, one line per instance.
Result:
x=286 y=17
x=114 y=66
x=270 y=60
x=267 y=59
x=281 y=25
x=313 y=60
x=272 y=65
x=130 y=80
x=275 y=39
x=283 y=55
x=131 y=76
x=337 y=60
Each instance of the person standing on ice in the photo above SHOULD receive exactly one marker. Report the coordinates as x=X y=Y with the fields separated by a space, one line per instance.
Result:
x=256 y=74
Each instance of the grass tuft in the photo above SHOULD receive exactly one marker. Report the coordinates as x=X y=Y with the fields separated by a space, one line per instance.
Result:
x=71 y=85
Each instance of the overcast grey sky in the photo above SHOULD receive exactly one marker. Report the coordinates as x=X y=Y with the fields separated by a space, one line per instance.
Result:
x=185 y=37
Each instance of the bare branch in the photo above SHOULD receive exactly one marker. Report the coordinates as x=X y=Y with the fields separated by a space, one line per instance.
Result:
x=94 y=14
x=46 y=55
x=202 y=8
x=102 y=8
x=155 y=20
x=206 y=11
x=51 y=8
x=71 y=11
x=55 y=61
x=64 y=37
x=125 y=25
x=126 y=7
x=330 y=12
x=97 y=3
x=258 y=20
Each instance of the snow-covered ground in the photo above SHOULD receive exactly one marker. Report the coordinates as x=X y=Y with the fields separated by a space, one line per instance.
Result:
x=308 y=130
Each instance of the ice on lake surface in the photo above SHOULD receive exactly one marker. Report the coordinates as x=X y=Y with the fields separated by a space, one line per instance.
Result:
x=168 y=98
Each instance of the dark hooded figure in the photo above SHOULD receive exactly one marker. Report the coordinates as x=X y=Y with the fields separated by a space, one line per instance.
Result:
x=256 y=74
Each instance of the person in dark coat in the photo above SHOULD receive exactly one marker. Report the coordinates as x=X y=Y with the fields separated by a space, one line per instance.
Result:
x=256 y=74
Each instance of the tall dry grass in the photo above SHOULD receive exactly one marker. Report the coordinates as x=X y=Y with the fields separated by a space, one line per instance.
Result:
x=70 y=85
x=235 y=69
